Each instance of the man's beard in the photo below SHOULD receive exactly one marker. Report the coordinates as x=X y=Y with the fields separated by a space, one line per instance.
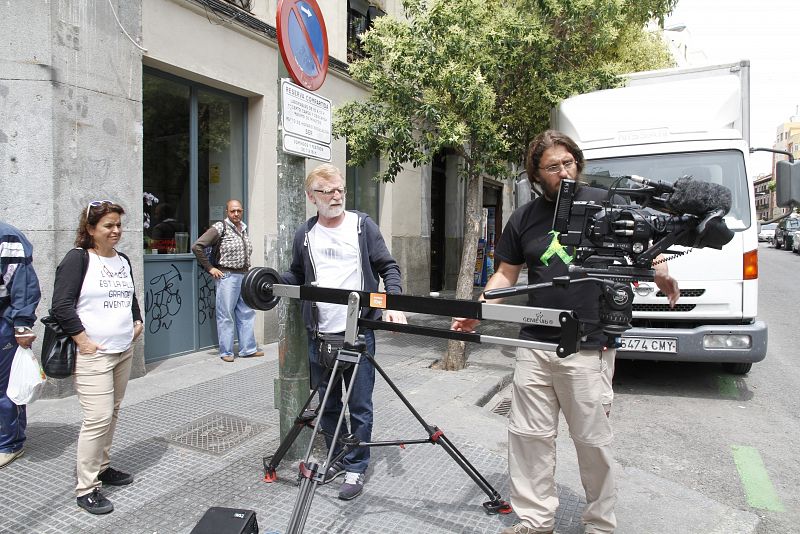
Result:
x=330 y=212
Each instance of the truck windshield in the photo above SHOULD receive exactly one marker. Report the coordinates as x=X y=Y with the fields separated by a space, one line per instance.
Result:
x=723 y=167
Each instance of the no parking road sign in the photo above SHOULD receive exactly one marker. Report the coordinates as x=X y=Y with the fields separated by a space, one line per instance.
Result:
x=303 y=41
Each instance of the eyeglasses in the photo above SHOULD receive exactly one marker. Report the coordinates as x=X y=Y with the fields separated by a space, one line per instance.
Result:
x=329 y=192
x=555 y=169
x=96 y=204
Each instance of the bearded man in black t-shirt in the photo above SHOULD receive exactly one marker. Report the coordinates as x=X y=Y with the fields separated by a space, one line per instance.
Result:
x=544 y=384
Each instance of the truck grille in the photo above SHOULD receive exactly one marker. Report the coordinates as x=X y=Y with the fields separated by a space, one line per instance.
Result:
x=662 y=308
x=685 y=293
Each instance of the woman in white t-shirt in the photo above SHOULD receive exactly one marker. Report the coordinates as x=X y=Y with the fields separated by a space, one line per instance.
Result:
x=95 y=302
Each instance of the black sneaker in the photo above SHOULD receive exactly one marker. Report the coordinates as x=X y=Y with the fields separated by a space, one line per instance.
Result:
x=95 y=503
x=112 y=477
x=352 y=486
x=334 y=471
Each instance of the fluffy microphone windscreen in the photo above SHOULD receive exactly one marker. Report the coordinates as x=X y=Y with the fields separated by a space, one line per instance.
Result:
x=698 y=198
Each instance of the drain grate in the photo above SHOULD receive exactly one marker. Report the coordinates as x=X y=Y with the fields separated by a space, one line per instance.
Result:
x=215 y=433
x=503 y=407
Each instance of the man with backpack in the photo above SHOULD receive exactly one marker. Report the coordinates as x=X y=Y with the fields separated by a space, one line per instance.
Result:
x=224 y=252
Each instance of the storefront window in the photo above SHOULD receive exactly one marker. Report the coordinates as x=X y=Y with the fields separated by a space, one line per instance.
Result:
x=166 y=163
x=171 y=181
x=220 y=162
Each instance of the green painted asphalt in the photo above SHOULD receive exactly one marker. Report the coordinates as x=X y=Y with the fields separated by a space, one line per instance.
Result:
x=757 y=485
x=727 y=387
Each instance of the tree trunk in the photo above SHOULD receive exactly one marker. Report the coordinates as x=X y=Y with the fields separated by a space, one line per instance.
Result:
x=456 y=357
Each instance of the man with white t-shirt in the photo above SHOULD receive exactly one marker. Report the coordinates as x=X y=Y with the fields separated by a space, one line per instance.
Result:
x=342 y=249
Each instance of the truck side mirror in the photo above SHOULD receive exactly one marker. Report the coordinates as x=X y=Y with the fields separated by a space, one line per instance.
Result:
x=787 y=181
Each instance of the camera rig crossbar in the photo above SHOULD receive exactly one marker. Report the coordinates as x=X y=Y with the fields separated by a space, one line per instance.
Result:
x=262 y=290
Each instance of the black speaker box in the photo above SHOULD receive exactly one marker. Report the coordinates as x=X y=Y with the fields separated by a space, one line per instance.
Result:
x=218 y=520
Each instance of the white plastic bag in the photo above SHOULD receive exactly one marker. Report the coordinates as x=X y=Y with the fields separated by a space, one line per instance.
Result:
x=26 y=377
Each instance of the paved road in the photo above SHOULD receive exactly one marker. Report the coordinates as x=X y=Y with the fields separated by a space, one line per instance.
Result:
x=691 y=423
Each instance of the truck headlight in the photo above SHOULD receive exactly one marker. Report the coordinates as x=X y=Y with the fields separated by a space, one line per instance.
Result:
x=727 y=341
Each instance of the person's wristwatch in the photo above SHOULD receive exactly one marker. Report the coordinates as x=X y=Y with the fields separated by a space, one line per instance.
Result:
x=22 y=330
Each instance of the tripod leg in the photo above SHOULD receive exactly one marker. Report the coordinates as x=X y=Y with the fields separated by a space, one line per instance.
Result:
x=303 y=420
x=303 y=504
x=311 y=473
x=496 y=504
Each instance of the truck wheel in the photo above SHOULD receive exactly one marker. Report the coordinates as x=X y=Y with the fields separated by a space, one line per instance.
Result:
x=737 y=368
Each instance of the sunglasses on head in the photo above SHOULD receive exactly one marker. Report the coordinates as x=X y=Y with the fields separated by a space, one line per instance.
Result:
x=96 y=204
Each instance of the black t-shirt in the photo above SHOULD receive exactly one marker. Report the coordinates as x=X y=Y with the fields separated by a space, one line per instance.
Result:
x=525 y=239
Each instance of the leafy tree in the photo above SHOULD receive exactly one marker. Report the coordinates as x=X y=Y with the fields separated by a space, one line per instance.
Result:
x=478 y=78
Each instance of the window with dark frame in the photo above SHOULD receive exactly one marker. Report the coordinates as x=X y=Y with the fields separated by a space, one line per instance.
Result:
x=360 y=17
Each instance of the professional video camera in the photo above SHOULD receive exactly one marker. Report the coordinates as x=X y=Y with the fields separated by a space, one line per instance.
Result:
x=621 y=239
x=616 y=244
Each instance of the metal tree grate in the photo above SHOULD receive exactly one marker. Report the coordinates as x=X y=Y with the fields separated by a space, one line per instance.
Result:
x=215 y=433
x=503 y=407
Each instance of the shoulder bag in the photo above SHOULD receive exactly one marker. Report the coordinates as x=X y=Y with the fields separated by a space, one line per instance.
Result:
x=328 y=346
x=58 y=350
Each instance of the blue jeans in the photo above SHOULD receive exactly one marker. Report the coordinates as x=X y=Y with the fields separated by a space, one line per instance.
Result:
x=231 y=310
x=13 y=419
x=360 y=405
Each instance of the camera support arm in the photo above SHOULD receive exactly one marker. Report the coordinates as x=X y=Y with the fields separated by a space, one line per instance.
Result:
x=261 y=290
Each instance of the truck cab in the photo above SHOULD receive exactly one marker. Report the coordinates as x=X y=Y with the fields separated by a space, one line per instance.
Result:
x=662 y=126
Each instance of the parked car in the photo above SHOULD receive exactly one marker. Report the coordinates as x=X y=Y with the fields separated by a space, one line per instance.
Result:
x=783 y=233
x=767 y=232
x=796 y=242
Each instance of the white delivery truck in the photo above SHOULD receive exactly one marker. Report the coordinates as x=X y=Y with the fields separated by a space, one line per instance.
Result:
x=663 y=125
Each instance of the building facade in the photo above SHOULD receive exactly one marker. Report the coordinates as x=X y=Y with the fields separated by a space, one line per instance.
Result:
x=170 y=107
x=764 y=195
x=787 y=138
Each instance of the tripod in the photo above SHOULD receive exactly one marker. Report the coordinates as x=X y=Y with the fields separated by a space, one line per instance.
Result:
x=312 y=474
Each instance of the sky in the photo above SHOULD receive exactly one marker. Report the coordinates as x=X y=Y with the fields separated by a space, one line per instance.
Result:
x=766 y=33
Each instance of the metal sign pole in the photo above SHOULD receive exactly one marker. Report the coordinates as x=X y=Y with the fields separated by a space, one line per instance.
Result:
x=293 y=382
x=303 y=44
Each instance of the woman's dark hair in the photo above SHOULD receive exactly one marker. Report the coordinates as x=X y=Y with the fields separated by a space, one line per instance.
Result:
x=90 y=217
x=549 y=139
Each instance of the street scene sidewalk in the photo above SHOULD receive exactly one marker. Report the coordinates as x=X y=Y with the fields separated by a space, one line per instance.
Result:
x=194 y=430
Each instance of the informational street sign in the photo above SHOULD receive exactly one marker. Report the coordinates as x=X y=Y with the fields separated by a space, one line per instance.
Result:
x=303 y=41
x=305 y=114
x=305 y=147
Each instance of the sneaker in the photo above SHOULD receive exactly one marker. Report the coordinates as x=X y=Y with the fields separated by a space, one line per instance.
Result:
x=352 y=486
x=334 y=471
x=112 y=477
x=227 y=358
x=8 y=457
x=256 y=354
x=521 y=528
x=95 y=503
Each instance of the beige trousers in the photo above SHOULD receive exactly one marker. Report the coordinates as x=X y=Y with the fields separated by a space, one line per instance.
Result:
x=100 y=382
x=543 y=386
